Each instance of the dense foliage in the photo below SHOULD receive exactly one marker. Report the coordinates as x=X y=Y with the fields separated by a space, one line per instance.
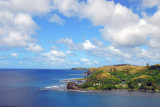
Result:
x=124 y=77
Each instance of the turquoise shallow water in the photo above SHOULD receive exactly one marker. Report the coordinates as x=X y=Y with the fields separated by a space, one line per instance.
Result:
x=22 y=88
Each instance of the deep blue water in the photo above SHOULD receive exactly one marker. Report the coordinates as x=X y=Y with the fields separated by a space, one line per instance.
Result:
x=22 y=88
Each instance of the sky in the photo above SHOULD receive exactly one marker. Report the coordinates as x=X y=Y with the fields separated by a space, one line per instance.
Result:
x=61 y=34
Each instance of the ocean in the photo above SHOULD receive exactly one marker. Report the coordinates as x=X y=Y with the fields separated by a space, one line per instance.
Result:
x=42 y=88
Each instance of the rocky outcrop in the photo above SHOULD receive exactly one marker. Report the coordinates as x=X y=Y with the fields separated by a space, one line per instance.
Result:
x=73 y=86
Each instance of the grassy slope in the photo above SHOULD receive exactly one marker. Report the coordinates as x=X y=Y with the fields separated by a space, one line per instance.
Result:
x=123 y=77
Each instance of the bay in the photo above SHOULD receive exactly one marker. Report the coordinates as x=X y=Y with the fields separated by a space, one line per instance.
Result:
x=23 y=88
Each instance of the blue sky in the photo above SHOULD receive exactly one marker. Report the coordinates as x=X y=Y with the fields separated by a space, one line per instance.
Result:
x=78 y=33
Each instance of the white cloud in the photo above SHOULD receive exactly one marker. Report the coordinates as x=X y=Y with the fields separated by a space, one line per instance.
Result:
x=50 y=59
x=108 y=52
x=30 y=6
x=56 y=19
x=57 y=53
x=150 y=3
x=54 y=56
x=97 y=48
x=16 y=23
x=84 y=60
x=118 y=52
x=67 y=7
x=70 y=44
x=16 y=29
x=15 y=39
x=87 y=45
x=34 y=48
x=125 y=30
x=114 y=17
x=14 y=54
x=88 y=62
x=68 y=52
x=67 y=41
x=103 y=13
x=99 y=12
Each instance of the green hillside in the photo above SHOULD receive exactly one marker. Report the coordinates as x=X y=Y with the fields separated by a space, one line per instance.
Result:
x=123 y=77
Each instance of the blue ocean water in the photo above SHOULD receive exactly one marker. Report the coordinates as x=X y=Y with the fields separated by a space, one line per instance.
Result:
x=22 y=88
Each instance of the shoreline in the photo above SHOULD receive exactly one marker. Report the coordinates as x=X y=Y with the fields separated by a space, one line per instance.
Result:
x=113 y=90
x=85 y=89
x=65 y=81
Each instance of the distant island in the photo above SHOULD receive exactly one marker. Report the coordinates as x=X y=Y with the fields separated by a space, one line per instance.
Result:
x=121 y=76
x=79 y=68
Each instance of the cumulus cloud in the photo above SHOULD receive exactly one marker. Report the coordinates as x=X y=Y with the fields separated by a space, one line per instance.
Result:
x=150 y=3
x=126 y=31
x=70 y=53
x=89 y=62
x=97 y=48
x=14 y=54
x=57 y=53
x=17 y=25
x=14 y=39
x=29 y=6
x=16 y=22
x=109 y=53
x=86 y=45
x=84 y=60
x=34 y=48
x=123 y=28
x=99 y=12
x=69 y=43
x=67 y=7
x=137 y=34
x=56 y=19
x=112 y=16
x=55 y=56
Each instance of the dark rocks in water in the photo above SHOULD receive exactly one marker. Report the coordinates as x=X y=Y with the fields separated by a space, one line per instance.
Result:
x=73 y=86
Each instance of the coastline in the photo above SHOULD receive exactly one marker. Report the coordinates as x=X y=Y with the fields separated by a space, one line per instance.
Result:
x=99 y=90
x=64 y=87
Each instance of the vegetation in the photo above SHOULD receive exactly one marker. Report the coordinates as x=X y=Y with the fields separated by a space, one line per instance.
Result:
x=123 y=77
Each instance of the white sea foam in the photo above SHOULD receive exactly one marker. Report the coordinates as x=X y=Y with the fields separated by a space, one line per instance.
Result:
x=85 y=91
x=63 y=85
x=55 y=87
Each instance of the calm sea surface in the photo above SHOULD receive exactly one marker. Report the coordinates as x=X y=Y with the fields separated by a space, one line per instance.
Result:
x=24 y=88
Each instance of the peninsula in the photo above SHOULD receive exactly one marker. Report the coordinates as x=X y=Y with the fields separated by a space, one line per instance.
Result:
x=120 y=77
